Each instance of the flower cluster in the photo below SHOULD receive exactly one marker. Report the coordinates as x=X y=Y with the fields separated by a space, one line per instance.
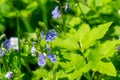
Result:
x=42 y=59
x=50 y=36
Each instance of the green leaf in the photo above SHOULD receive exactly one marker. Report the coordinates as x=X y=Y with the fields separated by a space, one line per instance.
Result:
x=108 y=48
x=104 y=68
x=67 y=43
x=76 y=65
x=20 y=77
x=98 y=3
x=96 y=33
x=82 y=31
x=76 y=74
x=73 y=34
x=85 y=9
x=74 y=21
x=94 y=55
x=60 y=74
x=37 y=74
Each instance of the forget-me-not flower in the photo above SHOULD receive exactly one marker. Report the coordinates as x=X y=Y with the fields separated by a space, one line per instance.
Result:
x=56 y=12
x=52 y=57
x=41 y=60
x=9 y=75
x=11 y=43
x=51 y=34
x=6 y=44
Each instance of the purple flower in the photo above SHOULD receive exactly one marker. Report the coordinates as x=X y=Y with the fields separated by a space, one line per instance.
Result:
x=14 y=43
x=51 y=34
x=66 y=7
x=41 y=60
x=56 y=13
x=11 y=43
x=6 y=44
x=52 y=57
x=33 y=50
x=9 y=75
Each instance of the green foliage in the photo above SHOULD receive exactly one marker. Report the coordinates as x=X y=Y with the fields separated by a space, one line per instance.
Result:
x=86 y=47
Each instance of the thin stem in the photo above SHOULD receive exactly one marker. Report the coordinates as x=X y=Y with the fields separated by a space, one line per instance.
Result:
x=44 y=10
x=93 y=75
x=18 y=29
x=84 y=16
x=80 y=8
x=87 y=76
x=5 y=64
x=53 y=73
x=62 y=16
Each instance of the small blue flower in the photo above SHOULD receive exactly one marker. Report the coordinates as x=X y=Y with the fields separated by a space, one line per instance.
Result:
x=6 y=44
x=51 y=34
x=52 y=57
x=11 y=43
x=9 y=75
x=66 y=7
x=41 y=60
x=56 y=13
x=33 y=51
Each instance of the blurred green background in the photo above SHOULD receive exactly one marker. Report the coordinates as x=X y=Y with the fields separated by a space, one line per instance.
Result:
x=30 y=12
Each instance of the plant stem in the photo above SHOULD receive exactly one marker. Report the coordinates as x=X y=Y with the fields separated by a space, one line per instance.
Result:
x=84 y=16
x=44 y=10
x=87 y=76
x=93 y=75
x=5 y=64
x=18 y=30
x=62 y=16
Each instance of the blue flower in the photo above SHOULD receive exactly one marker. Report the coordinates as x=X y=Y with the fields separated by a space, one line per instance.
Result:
x=52 y=57
x=6 y=44
x=33 y=50
x=9 y=75
x=11 y=43
x=41 y=60
x=56 y=13
x=66 y=7
x=51 y=34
